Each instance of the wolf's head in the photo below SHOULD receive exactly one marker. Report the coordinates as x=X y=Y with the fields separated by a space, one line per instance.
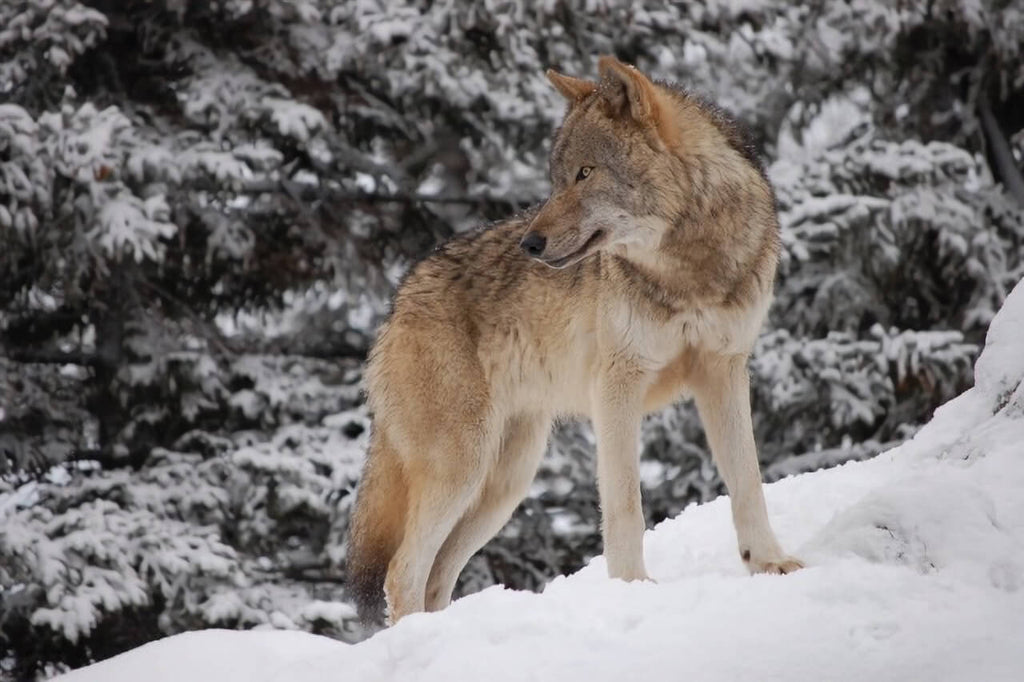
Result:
x=617 y=171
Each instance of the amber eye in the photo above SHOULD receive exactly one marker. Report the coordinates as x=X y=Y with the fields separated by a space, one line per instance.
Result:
x=584 y=173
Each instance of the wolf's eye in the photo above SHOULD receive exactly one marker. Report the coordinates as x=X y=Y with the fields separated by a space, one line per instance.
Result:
x=584 y=172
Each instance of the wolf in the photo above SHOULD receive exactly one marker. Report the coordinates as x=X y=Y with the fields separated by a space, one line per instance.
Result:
x=644 y=277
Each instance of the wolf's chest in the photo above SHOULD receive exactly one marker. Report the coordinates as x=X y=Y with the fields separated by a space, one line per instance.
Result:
x=657 y=341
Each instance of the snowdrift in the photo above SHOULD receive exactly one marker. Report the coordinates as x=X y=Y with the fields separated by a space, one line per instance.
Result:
x=915 y=571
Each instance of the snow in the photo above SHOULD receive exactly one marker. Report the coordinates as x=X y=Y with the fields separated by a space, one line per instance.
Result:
x=1001 y=366
x=223 y=655
x=136 y=226
x=915 y=571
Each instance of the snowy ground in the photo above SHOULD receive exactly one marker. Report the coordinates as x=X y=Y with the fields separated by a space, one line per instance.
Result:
x=915 y=572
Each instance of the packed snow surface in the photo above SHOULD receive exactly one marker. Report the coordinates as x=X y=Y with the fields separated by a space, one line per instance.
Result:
x=915 y=572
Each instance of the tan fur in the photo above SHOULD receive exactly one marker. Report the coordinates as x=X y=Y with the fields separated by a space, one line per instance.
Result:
x=654 y=279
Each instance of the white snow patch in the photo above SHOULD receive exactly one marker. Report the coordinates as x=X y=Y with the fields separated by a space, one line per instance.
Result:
x=1001 y=367
x=915 y=572
x=221 y=655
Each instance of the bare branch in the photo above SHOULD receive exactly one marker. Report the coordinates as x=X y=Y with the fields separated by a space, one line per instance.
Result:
x=206 y=328
x=54 y=357
x=1005 y=164
x=310 y=192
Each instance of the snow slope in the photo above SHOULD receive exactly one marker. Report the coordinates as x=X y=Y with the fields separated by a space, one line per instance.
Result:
x=916 y=572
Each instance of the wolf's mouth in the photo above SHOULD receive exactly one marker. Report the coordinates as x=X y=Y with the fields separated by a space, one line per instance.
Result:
x=579 y=253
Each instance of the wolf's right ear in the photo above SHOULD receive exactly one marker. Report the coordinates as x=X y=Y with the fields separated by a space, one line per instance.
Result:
x=573 y=89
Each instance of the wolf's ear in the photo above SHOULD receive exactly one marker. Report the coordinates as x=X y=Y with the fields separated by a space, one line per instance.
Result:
x=627 y=92
x=573 y=89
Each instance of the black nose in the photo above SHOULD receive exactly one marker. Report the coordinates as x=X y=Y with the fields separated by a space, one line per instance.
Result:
x=533 y=244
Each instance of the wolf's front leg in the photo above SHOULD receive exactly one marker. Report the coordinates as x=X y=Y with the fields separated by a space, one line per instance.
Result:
x=722 y=391
x=617 y=410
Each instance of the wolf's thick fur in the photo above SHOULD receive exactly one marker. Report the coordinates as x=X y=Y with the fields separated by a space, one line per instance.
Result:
x=651 y=272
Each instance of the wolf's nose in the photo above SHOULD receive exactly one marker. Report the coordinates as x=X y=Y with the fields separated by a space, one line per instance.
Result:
x=533 y=244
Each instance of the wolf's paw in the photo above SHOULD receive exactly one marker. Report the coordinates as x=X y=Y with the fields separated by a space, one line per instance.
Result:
x=629 y=573
x=637 y=577
x=779 y=565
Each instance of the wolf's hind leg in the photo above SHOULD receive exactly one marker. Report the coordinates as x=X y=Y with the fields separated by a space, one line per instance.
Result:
x=722 y=390
x=522 y=446
x=441 y=488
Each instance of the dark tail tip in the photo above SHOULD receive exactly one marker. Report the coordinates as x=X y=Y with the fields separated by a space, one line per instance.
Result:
x=375 y=533
x=366 y=576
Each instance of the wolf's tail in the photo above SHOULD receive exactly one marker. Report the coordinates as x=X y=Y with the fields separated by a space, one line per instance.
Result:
x=378 y=523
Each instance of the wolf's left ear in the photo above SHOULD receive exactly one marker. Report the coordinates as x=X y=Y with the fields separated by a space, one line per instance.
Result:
x=573 y=89
x=629 y=93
